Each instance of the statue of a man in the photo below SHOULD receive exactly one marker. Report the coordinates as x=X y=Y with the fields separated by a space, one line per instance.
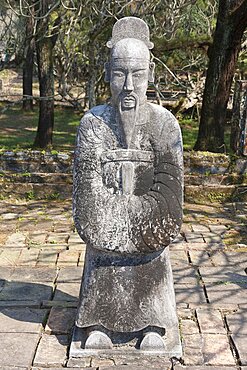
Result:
x=128 y=185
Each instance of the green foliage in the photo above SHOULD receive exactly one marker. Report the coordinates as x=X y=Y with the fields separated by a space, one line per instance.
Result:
x=30 y=195
x=53 y=196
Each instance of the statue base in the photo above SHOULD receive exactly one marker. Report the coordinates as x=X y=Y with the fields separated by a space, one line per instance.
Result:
x=126 y=344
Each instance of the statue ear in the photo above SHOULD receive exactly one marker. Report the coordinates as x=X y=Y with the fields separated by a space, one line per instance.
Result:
x=151 y=72
x=107 y=72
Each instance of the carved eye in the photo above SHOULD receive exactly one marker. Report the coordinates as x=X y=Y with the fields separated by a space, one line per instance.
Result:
x=118 y=74
x=138 y=74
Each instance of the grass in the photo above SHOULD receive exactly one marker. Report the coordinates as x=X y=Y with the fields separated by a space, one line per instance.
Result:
x=189 y=128
x=18 y=129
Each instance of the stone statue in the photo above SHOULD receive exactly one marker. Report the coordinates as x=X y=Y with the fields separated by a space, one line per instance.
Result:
x=127 y=205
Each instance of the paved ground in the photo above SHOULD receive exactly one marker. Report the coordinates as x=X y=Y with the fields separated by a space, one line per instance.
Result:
x=41 y=260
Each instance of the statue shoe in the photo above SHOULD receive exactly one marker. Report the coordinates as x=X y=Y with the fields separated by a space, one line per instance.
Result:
x=98 y=340
x=152 y=342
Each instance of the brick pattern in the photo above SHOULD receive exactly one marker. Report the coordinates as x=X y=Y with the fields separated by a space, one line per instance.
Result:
x=41 y=262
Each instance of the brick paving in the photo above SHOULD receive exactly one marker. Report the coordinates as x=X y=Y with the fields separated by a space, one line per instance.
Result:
x=41 y=261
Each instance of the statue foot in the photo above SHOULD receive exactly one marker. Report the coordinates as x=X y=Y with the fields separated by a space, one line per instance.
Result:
x=98 y=340
x=152 y=342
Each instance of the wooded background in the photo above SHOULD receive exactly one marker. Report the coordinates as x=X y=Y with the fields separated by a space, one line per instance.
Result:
x=200 y=51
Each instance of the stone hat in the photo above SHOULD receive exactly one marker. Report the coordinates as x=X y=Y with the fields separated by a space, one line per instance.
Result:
x=130 y=27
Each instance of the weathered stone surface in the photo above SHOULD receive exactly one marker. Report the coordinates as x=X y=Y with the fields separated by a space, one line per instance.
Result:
x=180 y=367
x=127 y=204
x=1 y=284
x=216 y=350
x=212 y=238
x=17 y=350
x=9 y=257
x=17 y=304
x=51 y=351
x=57 y=238
x=189 y=294
x=9 y=216
x=60 y=368
x=192 y=349
x=74 y=238
x=83 y=362
x=218 y=228
x=16 y=240
x=59 y=304
x=200 y=246
x=60 y=321
x=98 y=362
x=240 y=343
x=178 y=257
x=6 y=273
x=145 y=361
x=210 y=321
x=219 y=258
x=67 y=292
x=185 y=313
x=215 y=306
x=28 y=257
x=69 y=275
x=200 y=258
x=82 y=259
x=21 y=320
x=21 y=291
x=223 y=275
x=227 y=293
x=237 y=257
x=237 y=322
x=185 y=275
x=194 y=237
x=36 y=238
x=68 y=258
x=130 y=367
x=34 y=275
x=189 y=327
x=48 y=257
x=13 y=368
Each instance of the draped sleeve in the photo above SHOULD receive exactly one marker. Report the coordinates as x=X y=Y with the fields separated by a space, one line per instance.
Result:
x=158 y=213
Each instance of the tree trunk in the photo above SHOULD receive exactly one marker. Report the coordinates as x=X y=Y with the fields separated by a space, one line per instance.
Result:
x=28 y=66
x=44 y=49
x=92 y=77
x=239 y=119
x=231 y=23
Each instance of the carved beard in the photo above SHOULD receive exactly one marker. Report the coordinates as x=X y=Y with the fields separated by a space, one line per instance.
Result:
x=127 y=117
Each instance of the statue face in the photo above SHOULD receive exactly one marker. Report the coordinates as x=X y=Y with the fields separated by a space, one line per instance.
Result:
x=129 y=82
x=129 y=73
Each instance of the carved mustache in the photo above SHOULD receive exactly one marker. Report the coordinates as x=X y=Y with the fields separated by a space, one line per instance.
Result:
x=129 y=96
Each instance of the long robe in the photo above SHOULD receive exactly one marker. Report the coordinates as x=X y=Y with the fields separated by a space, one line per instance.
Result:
x=127 y=207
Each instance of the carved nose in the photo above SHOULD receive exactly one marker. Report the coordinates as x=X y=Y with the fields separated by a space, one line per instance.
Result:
x=128 y=85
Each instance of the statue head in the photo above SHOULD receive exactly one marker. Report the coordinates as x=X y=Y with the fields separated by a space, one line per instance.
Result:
x=130 y=69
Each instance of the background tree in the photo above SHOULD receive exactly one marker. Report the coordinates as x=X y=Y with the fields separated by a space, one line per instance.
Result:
x=223 y=55
x=28 y=61
x=45 y=40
